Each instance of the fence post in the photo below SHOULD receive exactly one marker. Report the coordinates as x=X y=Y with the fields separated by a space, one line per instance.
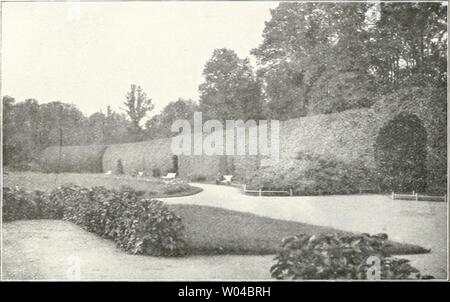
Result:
x=445 y=197
x=260 y=192
x=290 y=191
x=393 y=195
x=417 y=196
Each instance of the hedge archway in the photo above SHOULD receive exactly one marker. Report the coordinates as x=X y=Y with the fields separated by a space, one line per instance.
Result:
x=400 y=154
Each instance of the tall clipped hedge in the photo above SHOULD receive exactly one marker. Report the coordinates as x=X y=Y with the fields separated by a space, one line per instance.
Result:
x=140 y=157
x=80 y=159
x=136 y=224
x=429 y=104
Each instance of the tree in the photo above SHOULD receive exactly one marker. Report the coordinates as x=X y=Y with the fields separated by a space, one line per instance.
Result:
x=230 y=90
x=160 y=125
x=29 y=127
x=116 y=128
x=313 y=59
x=9 y=149
x=137 y=106
x=409 y=45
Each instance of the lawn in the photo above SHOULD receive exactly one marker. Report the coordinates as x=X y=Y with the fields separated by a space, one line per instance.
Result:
x=153 y=187
x=211 y=230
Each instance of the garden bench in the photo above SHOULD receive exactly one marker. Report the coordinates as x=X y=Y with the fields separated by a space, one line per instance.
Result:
x=227 y=179
x=169 y=176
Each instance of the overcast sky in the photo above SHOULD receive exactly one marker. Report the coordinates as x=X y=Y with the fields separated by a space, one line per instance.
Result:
x=89 y=53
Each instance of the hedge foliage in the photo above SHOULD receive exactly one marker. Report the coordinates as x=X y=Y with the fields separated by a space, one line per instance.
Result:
x=136 y=224
x=340 y=257
x=176 y=186
x=79 y=159
x=314 y=174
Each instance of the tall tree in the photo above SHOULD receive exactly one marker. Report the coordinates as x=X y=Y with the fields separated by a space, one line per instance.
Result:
x=160 y=125
x=313 y=59
x=116 y=127
x=230 y=89
x=409 y=45
x=8 y=130
x=137 y=105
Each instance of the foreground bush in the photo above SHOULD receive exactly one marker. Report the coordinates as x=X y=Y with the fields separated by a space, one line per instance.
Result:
x=313 y=175
x=18 y=205
x=340 y=257
x=138 y=225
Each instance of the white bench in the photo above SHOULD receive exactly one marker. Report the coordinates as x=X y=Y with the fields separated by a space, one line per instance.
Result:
x=226 y=179
x=169 y=176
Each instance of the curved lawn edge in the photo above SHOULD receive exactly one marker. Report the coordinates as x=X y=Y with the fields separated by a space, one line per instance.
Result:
x=218 y=231
x=192 y=191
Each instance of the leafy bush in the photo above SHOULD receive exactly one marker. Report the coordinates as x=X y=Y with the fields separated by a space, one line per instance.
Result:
x=311 y=175
x=156 y=172
x=18 y=205
x=197 y=177
x=175 y=186
x=136 y=224
x=119 y=167
x=338 y=257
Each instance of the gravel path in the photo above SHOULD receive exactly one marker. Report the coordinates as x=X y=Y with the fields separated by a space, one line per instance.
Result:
x=42 y=249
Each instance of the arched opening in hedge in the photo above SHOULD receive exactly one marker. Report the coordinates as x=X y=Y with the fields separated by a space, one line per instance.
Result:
x=400 y=154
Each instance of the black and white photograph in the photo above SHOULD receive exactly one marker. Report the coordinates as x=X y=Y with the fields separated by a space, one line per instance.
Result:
x=161 y=141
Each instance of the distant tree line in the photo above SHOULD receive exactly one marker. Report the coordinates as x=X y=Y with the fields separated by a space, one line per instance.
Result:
x=314 y=58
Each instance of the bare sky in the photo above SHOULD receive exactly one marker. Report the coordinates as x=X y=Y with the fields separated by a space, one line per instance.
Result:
x=89 y=53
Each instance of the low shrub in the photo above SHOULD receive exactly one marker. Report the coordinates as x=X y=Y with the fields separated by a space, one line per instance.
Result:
x=119 y=167
x=312 y=175
x=18 y=205
x=175 y=186
x=156 y=172
x=197 y=178
x=340 y=257
x=136 y=224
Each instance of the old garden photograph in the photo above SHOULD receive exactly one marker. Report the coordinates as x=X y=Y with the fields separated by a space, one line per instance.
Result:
x=224 y=140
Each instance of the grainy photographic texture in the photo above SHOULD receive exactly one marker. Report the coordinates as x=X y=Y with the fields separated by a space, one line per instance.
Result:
x=224 y=141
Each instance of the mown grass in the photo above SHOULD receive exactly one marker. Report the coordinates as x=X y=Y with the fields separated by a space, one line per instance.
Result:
x=30 y=181
x=211 y=230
